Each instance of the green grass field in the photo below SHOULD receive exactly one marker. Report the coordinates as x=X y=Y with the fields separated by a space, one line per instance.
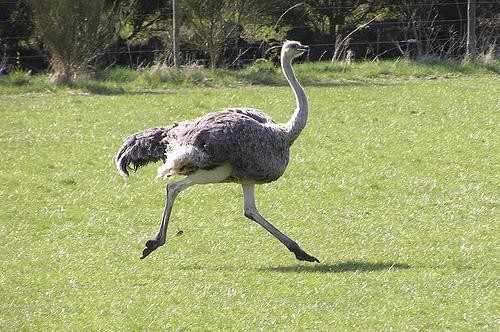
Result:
x=393 y=185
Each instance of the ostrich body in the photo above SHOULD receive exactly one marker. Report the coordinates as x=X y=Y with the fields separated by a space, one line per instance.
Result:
x=240 y=145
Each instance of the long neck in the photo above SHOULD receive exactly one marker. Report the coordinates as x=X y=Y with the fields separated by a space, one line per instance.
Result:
x=299 y=118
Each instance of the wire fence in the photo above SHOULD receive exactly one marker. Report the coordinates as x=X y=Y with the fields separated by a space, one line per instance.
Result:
x=381 y=39
x=435 y=23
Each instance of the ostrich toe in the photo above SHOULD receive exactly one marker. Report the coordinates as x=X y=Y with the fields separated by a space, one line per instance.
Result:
x=151 y=245
x=301 y=255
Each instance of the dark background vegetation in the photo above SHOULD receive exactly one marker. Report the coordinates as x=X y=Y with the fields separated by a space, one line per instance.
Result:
x=232 y=33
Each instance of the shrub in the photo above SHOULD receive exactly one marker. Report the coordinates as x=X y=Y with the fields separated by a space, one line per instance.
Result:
x=74 y=32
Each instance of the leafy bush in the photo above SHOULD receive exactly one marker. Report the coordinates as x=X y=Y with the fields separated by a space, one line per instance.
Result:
x=74 y=32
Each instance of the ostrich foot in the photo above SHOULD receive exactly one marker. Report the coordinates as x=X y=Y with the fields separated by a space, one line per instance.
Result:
x=151 y=245
x=301 y=255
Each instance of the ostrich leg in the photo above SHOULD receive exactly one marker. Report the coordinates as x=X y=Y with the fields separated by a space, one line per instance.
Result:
x=252 y=213
x=173 y=189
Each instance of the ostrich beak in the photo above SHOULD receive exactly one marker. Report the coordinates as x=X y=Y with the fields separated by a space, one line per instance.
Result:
x=303 y=48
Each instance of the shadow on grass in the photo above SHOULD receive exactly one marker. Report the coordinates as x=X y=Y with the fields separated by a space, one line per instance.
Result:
x=113 y=91
x=338 y=267
x=308 y=81
x=97 y=88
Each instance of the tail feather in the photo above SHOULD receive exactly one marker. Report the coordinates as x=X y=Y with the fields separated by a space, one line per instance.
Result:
x=142 y=148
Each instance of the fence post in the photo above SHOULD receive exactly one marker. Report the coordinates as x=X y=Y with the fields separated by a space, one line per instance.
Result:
x=176 y=41
x=471 y=31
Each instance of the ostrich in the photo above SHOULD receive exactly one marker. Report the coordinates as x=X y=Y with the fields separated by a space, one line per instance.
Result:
x=241 y=145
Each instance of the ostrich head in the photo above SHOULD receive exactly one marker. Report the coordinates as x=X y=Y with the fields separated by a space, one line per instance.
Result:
x=292 y=49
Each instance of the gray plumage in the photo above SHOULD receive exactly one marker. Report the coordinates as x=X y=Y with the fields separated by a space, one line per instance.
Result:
x=142 y=148
x=249 y=140
x=241 y=145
